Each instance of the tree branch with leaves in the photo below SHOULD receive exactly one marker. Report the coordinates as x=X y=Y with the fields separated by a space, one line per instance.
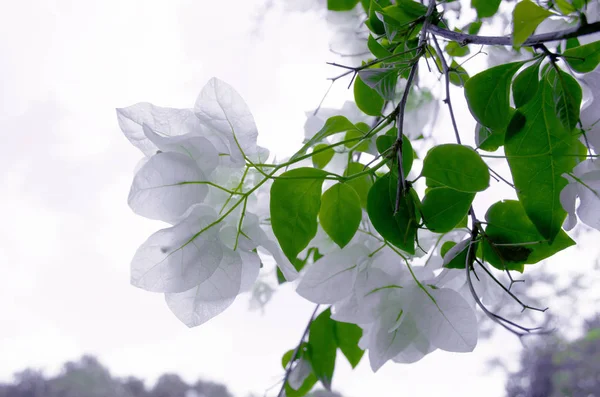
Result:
x=361 y=221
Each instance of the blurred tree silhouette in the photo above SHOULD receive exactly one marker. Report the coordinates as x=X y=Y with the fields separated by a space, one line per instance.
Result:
x=88 y=378
x=554 y=367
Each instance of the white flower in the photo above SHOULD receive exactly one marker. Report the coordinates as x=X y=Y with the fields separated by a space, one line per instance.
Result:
x=195 y=159
x=401 y=320
x=584 y=183
x=331 y=278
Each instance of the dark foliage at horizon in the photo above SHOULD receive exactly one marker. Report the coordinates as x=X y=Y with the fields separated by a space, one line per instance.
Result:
x=88 y=378
x=555 y=367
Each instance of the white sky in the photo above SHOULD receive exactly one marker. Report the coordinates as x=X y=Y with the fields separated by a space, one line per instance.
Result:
x=69 y=235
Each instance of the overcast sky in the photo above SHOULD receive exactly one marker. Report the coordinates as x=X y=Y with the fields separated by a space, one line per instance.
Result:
x=69 y=235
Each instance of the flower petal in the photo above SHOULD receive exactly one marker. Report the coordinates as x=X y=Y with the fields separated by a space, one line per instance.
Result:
x=159 y=190
x=176 y=259
x=203 y=302
x=419 y=348
x=389 y=339
x=199 y=149
x=165 y=121
x=448 y=323
x=331 y=278
x=222 y=108
x=589 y=195
x=568 y=197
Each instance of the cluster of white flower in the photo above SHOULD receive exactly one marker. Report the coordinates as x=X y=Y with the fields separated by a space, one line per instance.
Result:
x=405 y=311
x=205 y=175
x=196 y=177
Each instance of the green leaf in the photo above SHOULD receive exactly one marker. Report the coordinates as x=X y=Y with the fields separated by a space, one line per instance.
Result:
x=456 y=50
x=333 y=125
x=361 y=184
x=382 y=80
x=456 y=166
x=443 y=208
x=526 y=84
x=377 y=49
x=473 y=27
x=521 y=242
x=287 y=356
x=295 y=204
x=585 y=58
x=340 y=213
x=565 y=6
x=400 y=21
x=309 y=382
x=365 y=5
x=341 y=5
x=572 y=43
x=456 y=256
x=486 y=139
x=458 y=75
x=446 y=247
x=385 y=142
x=373 y=23
x=489 y=140
x=526 y=18
x=399 y=229
x=347 y=336
x=539 y=150
x=367 y=99
x=567 y=96
x=359 y=146
x=406 y=53
x=413 y=9
x=321 y=159
x=306 y=387
x=485 y=8
x=323 y=347
x=487 y=95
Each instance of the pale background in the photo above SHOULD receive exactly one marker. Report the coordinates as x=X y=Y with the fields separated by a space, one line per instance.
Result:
x=66 y=169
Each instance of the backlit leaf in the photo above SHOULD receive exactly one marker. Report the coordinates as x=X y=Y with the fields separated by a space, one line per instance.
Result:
x=295 y=205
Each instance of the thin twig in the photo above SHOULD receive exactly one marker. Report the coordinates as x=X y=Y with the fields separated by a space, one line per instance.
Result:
x=288 y=370
x=447 y=101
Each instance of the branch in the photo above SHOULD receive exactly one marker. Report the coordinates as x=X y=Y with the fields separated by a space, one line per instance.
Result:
x=288 y=370
x=447 y=101
x=402 y=186
x=465 y=39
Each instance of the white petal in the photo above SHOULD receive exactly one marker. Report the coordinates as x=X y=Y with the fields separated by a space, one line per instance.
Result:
x=165 y=121
x=199 y=149
x=568 y=196
x=203 y=302
x=372 y=280
x=157 y=191
x=331 y=278
x=590 y=114
x=419 y=348
x=389 y=339
x=222 y=108
x=455 y=250
x=299 y=374
x=176 y=259
x=250 y=269
x=448 y=323
x=259 y=237
x=353 y=310
x=589 y=195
